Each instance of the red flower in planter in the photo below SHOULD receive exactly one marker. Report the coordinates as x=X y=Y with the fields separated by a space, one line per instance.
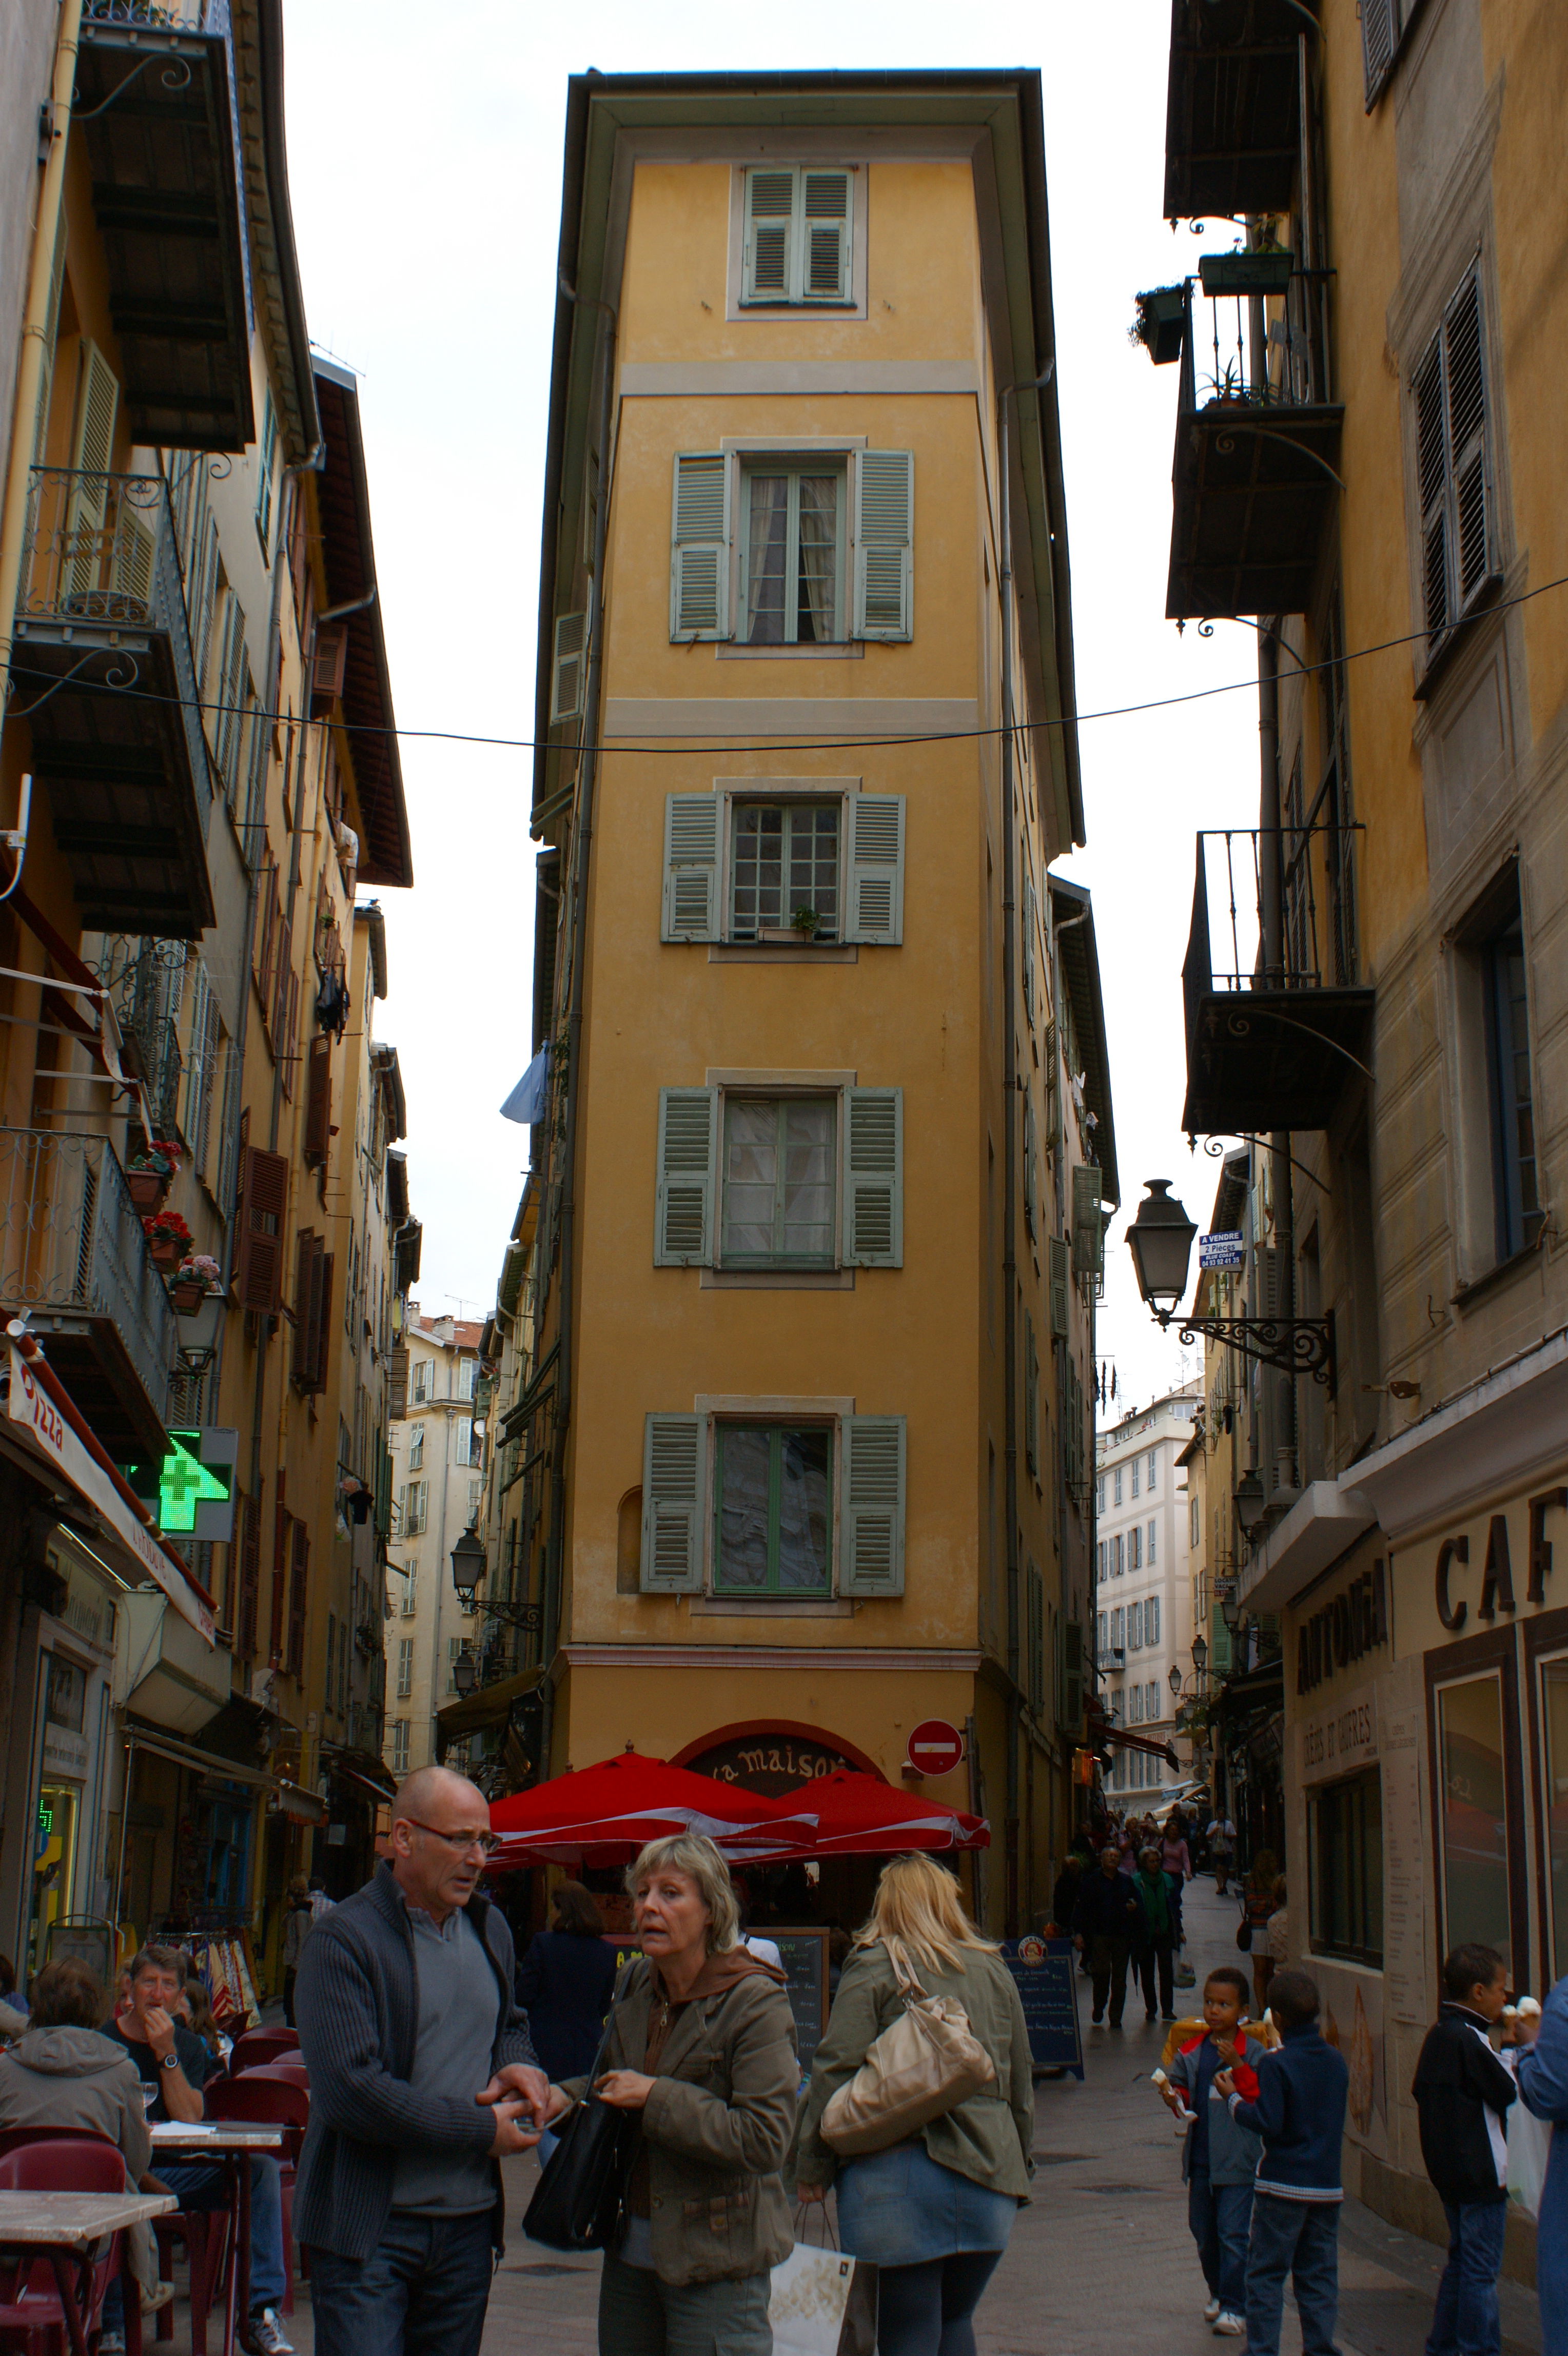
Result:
x=167 y=1227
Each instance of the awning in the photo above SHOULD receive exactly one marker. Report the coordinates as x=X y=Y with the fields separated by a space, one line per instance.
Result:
x=45 y=1418
x=491 y=1706
x=1121 y=1738
x=300 y=1806
x=381 y=1794
x=211 y=1762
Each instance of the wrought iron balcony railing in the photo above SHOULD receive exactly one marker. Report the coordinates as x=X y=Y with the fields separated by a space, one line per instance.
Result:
x=101 y=610
x=1274 y=1036
x=73 y=1255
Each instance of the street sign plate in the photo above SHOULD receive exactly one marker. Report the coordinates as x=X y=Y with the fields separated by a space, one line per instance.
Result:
x=935 y=1746
x=1222 y=1249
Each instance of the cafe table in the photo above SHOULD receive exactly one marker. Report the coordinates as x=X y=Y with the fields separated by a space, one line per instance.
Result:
x=229 y=2144
x=65 y=2228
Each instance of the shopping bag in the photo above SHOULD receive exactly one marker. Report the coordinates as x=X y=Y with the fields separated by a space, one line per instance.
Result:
x=822 y=2302
x=1530 y=2148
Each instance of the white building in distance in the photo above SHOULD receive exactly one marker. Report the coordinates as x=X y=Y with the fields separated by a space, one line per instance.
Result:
x=437 y=1485
x=1143 y=1625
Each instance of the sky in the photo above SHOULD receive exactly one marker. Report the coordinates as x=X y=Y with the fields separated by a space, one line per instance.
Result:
x=425 y=166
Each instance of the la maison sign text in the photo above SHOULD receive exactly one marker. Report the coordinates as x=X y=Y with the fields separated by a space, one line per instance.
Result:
x=1353 y=1625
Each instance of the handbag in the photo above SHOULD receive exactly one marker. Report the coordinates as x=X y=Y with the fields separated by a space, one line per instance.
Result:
x=923 y=2065
x=581 y=2193
x=822 y=2303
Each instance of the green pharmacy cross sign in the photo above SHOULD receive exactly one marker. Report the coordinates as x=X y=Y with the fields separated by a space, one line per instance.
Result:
x=193 y=1487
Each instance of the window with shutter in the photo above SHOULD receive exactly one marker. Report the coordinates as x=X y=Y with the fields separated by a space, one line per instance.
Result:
x=1382 y=29
x=797 y=243
x=871 y=1560
x=877 y=868
x=883 y=542
x=1061 y=1278
x=1036 y=1670
x=87 y=505
x=791 y=556
x=329 y=668
x=1030 y=981
x=1458 y=560
x=569 y=672
x=1152 y=1618
x=279 y=1613
x=1087 y=1221
x=299 y=1580
x=674 y=1477
x=700 y=550
x=874 y=1178
x=250 y=1577
x=1031 y=1156
x=688 y=1139
x=308 y=1250
x=691 y=867
x=1031 y=1396
x=318 y=1101
x=263 y=1203
x=780 y=1172
x=772 y=1509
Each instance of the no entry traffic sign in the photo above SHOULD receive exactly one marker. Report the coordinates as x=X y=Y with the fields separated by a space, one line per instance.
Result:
x=935 y=1746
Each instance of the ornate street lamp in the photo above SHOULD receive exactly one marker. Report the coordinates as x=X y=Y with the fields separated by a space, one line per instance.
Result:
x=468 y=1567
x=1175 y=1678
x=1249 y=1502
x=1160 y=1240
x=1199 y=1655
x=465 y=1672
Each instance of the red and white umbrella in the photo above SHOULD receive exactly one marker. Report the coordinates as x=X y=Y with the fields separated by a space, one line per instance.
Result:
x=847 y=1815
x=604 y=1814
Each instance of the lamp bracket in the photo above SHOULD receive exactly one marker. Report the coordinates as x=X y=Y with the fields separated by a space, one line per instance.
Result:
x=530 y=1617
x=1296 y=1346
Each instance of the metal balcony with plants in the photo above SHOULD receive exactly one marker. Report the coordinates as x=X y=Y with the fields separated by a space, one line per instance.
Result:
x=1233 y=105
x=1273 y=1040
x=106 y=680
x=157 y=107
x=1255 y=476
x=75 y=1260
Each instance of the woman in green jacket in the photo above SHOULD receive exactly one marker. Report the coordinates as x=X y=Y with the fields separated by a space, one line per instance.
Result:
x=934 y=2212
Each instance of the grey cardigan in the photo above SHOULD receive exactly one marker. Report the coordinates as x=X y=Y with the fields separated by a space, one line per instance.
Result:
x=357 y=2004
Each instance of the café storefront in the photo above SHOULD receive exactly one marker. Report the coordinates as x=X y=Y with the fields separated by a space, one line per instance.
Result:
x=1424 y=1609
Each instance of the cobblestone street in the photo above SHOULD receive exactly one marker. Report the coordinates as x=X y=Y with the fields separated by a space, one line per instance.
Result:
x=1101 y=2264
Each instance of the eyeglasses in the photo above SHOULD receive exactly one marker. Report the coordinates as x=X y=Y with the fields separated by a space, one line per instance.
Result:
x=487 y=1843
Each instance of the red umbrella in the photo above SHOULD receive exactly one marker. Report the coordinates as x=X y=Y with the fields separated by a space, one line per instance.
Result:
x=603 y=1814
x=857 y=1816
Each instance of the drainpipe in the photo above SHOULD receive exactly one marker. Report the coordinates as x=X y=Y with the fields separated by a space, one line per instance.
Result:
x=1010 y=1085
x=577 y=954
x=1270 y=849
x=34 y=356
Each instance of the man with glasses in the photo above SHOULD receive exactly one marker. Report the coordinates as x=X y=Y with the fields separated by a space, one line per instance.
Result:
x=422 y=2077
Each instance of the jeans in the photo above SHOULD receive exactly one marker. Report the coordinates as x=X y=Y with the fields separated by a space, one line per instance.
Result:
x=928 y=2310
x=200 y=2186
x=1299 y=2238
x=1466 y=2322
x=640 y=2316
x=1108 y=1960
x=1158 y=1953
x=422 y=2290
x=1219 y=2215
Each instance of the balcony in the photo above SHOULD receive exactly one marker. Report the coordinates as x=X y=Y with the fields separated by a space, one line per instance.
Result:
x=1233 y=107
x=1273 y=1043
x=1256 y=469
x=101 y=608
x=156 y=101
x=74 y=1258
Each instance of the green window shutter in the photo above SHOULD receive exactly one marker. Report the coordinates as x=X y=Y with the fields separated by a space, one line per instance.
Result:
x=875 y=868
x=1031 y=1396
x=874 y=1486
x=1031 y=982
x=688 y=1134
x=1035 y=1669
x=824 y=244
x=569 y=669
x=874 y=1178
x=1031 y=1169
x=674 y=1479
x=1060 y=1276
x=770 y=234
x=884 y=539
x=692 y=867
x=1380 y=39
x=1087 y=1221
x=699 y=563
x=1072 y=1674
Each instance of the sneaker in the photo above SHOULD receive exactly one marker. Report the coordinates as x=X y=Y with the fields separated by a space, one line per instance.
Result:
x=264 y=2336
x=1228 y=2326
x=1211 y=2310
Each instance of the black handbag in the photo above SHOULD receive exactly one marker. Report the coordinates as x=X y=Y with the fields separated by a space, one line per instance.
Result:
x=580 y=2198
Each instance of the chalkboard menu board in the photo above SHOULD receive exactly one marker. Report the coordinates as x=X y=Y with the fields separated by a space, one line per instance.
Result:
x=1043 y=1970
x=804 y=1956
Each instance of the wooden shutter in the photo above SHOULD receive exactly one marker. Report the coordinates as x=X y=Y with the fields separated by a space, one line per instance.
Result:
x=264 y=961
x=1029 y=964
x=883 y=534
x=1036 y=1667
x=569 y=668
x=675 y=1481
x=1072 y=1672
x=1060 y=1277
x=1031 y=1396
x=318 y=1101
x=690 y=911
x=307 y=1251
x=397 y=1382
x=1087 y=1221
x=1031 y=1163
x=875 y=868
x=263 y=1203
x=328 y=667
x=874 y=1178
x=1451 y=464
x=768 y=274
x=280 y=1577
x=699 y=563
x=825 y=237
x=91 y=448
x=299 y=1580
x=250 y=1577
x=688 y=1151
x=872 y=1558
x=1381 y=29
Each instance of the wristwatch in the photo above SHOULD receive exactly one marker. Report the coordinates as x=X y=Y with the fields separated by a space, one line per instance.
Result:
x=169 y=2062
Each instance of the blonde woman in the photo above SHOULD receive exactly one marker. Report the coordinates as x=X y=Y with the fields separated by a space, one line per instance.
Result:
x=933 y=2213
x=702 y=2044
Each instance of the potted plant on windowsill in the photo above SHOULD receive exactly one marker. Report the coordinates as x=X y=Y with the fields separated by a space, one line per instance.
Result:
x=199 y=1276
x=805 y=924
x=150 y=1173
x=1157 y=323
x=169 y=1240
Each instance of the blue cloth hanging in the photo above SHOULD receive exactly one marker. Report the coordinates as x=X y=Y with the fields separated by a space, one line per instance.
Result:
x=528 y=1099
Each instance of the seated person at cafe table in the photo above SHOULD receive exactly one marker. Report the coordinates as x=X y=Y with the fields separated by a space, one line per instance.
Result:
x=175 y=2065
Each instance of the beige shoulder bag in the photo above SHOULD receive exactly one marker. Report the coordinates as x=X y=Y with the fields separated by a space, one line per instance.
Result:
x=923 y=2065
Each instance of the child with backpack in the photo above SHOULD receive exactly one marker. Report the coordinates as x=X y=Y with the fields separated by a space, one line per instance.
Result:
x=1462 y=2093
x=1220 y=2157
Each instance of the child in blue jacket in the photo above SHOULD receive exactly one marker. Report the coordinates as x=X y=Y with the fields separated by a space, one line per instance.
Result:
x=1300 y=2115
